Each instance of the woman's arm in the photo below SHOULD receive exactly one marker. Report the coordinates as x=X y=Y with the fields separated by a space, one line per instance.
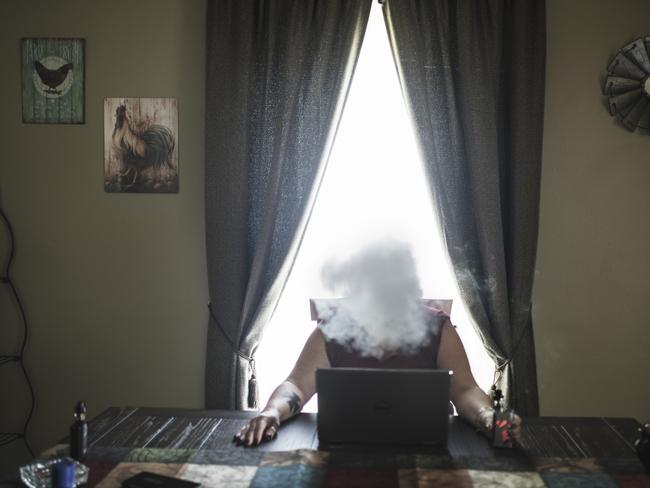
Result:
x=471 y=402
x=290 y=396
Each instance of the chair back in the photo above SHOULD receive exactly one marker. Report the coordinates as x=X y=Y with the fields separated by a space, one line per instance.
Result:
x=443 y=304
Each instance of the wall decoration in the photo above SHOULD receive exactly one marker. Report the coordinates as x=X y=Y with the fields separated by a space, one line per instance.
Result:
x=141 y=145
x=53 y=81
x=628 y=85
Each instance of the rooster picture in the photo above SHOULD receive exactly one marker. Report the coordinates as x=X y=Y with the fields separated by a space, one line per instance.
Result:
x=142 y=151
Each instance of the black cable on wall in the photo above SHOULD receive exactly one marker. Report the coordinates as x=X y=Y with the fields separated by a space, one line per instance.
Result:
x=5 y=278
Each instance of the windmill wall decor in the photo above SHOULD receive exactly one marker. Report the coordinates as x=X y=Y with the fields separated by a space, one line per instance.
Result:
x=628 y=85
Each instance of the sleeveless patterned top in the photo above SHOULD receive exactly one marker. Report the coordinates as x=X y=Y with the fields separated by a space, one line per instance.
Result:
x=425 y=357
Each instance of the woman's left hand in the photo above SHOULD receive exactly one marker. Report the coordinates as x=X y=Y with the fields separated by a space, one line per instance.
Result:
x=513 y=433
x=485 y=420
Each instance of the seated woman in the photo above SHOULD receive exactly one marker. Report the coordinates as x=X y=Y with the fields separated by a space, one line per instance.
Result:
x=382 y=323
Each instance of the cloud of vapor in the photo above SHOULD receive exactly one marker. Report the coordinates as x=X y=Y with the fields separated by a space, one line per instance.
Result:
x=381 y=310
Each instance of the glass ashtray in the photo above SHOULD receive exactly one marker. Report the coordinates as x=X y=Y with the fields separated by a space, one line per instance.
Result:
x=38 y=473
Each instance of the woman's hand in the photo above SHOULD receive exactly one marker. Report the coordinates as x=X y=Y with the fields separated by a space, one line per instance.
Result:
x=264 y=427
x=485 y=419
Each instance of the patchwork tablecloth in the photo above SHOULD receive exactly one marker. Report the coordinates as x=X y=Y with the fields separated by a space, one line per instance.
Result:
x=239 y=468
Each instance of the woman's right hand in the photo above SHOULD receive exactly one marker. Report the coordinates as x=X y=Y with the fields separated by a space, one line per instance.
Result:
x=264 y=427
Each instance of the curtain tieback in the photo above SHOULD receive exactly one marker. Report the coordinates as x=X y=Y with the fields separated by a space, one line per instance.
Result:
x=499 y=368
x=252 y=381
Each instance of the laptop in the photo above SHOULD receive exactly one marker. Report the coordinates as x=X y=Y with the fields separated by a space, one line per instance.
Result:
x=383 y=406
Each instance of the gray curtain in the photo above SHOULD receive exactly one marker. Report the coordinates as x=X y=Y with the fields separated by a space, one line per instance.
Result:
x=277 y=75
x=472 y=73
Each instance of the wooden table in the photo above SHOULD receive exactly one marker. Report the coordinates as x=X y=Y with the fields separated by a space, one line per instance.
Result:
x=573 y=437
x=197 y=444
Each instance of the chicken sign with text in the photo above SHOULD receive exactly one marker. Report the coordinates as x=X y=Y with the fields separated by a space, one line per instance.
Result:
x=141 y=148
x=53 y=81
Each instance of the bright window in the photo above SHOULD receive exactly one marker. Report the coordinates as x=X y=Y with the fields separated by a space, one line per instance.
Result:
x=374 y=187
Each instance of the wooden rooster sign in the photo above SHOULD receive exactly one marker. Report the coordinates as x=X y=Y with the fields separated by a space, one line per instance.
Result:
x=140 y=145
x=53 y=81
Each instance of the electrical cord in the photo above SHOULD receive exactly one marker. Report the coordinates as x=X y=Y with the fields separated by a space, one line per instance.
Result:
x=6 y=438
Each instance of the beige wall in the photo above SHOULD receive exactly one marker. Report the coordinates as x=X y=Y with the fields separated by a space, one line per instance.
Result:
x=592 y=321
x=114 y=284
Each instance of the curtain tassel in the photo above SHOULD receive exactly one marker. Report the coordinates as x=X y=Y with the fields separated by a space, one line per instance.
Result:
x=496 y=396
x=252 y=387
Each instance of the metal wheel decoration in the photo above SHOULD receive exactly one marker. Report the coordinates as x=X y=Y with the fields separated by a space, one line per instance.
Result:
x=628 y=85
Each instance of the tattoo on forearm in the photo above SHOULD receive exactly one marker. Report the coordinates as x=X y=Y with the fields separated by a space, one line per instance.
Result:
x=294 y=402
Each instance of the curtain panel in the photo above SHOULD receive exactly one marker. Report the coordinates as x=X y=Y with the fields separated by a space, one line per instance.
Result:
x=277 y=74
x=472 y=74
